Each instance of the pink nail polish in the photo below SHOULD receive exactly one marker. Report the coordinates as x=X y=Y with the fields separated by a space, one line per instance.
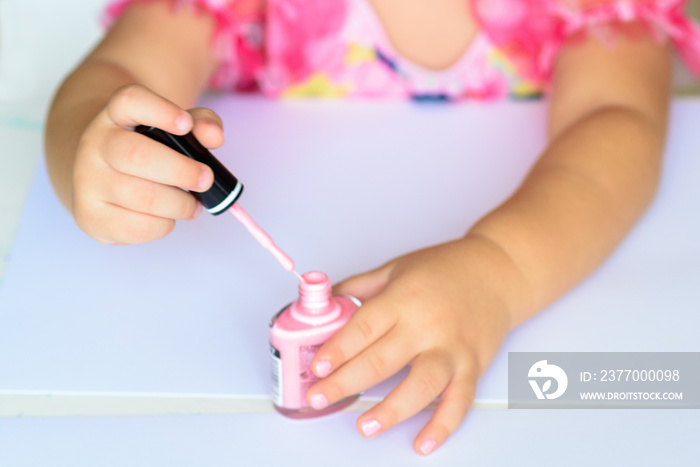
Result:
x=198 y=210
x=205 y=181
x=318 y=401
x=370 y=427
x=296 y=334
x=182 y=123
x=323 y=368
x=427 y=446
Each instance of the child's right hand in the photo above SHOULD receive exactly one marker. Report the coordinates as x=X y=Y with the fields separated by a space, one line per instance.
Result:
x=128 y=188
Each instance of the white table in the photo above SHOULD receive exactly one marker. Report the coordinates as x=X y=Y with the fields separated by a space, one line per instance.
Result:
x=487 y=438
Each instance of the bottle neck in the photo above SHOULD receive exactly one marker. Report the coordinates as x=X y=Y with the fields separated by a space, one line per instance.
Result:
x=315 y=305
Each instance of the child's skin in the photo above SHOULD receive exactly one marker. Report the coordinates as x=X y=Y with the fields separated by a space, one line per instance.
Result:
x=444 y=310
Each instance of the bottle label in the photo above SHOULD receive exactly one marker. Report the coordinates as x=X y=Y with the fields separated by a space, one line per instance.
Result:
x=306 y=377
x=277 y=384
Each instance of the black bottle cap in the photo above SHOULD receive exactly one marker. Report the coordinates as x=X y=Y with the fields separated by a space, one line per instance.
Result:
x=226 y=188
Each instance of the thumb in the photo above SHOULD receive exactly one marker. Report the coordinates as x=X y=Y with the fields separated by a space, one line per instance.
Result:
x=208 y=127
x=365 y=286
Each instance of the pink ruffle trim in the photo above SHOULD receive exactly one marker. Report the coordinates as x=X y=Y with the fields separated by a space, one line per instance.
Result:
x=531 y=32
x=241 y=59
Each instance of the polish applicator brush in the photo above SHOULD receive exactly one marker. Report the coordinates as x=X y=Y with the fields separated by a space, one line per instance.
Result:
x=224 y=192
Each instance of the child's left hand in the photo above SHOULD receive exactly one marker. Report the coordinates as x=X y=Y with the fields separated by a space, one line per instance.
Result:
x=445 y=311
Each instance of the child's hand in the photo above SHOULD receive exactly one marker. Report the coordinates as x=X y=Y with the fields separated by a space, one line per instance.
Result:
x=440 y=310
x=127 y=187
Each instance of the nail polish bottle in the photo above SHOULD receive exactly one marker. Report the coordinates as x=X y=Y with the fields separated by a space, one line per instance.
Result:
x=296 y=334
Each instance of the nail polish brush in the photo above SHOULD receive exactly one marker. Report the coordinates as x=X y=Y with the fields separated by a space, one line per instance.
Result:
x=224 y=192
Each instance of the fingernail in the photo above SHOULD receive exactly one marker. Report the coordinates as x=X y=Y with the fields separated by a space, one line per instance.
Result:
x=318 y=401
x=370 y=427
x=182 y=123
x=198 y=210
x=205 y=180
x=323 y=368
x=427 y=446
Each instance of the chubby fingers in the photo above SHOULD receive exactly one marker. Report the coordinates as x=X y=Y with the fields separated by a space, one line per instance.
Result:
x=383 y=359
x=139 y=156
x=125 y=209
x=371 y=321
x=139 y=195
x=120 y=226
x=455 y=402
x=133 y=105
x=127 y=186
x=430 y=374
x=367 y=325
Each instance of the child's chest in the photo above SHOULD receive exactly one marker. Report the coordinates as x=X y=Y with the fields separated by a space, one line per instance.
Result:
x=431 y=33
x=424 y=49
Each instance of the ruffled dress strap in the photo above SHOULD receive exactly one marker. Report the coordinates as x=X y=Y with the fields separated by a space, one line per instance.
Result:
x=532 y=32
x=238 y=40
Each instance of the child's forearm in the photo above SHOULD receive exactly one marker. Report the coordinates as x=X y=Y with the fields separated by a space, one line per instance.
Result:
x=590 y=186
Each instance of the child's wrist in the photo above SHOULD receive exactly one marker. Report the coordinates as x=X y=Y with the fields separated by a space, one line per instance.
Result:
x=502 y=272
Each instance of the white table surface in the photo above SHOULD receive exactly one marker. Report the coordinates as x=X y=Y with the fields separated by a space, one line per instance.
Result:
x=498 y=438
x=68 y=358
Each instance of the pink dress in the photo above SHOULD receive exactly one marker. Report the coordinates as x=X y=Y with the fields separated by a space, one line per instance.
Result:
x=337 y=48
